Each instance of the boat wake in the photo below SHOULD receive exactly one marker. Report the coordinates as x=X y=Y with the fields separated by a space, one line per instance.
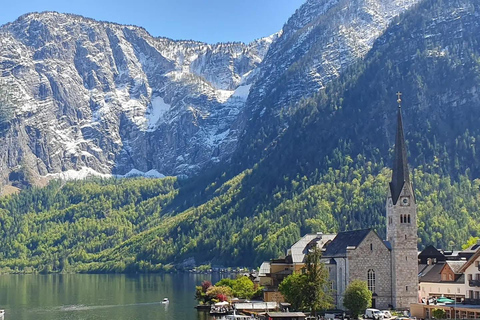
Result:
x=82 y=307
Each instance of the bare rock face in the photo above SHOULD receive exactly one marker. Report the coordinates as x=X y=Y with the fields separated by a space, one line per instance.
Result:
x=88 y=97
x=93 y=97
x=317 y=43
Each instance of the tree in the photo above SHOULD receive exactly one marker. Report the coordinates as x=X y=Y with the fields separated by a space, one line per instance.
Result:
x=292 y=289
x=471 y=241
x=243 y=287
x=226 y=282
x=310 y=290
x=217 y=293
x=201 y=292
x=439 y=313
x=357 y=297
x=317 y=291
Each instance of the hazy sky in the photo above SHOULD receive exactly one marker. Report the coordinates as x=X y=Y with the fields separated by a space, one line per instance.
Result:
x=203 y=20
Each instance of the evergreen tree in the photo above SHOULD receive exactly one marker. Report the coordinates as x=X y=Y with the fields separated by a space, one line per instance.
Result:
x=317 y=292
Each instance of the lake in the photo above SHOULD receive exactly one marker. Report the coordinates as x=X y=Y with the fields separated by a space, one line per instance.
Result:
x=99 y=297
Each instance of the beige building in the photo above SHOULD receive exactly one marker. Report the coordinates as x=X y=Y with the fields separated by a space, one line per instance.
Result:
x=452 y=275
x=471 y=271
x=443 y=280
x=272 y=273
x=389 y=267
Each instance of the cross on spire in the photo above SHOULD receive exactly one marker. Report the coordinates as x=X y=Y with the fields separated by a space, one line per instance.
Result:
x=399 y=99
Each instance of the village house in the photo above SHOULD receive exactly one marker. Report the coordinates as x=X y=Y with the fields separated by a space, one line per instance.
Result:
x=449 y=280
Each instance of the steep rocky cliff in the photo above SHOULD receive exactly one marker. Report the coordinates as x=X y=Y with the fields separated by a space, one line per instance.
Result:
x=318 y=43
x=91 y=97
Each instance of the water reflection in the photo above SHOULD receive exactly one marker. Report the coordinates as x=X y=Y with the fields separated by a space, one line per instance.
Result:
x=101 y=297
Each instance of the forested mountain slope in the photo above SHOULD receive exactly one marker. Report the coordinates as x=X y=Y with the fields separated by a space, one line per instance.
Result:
x=327 y=171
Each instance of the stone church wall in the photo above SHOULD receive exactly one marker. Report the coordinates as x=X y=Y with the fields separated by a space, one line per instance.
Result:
x=372 y=254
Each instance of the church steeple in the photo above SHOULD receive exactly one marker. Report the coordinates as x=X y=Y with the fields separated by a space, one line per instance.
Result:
x=400 y=173
x=402 y=225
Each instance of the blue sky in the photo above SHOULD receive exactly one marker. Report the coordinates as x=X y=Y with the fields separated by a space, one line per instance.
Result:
x=203 y=20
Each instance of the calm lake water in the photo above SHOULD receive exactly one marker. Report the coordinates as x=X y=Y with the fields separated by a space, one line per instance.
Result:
x=100 y=297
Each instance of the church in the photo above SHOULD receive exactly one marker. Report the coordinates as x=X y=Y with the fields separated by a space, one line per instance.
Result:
x=389 y=266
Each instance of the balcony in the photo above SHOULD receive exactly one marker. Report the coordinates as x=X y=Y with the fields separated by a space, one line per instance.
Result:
x=474 y=283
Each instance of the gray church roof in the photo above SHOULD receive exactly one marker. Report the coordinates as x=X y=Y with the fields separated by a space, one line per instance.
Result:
x=338 y=247
x=400 y=174
x=301 y=247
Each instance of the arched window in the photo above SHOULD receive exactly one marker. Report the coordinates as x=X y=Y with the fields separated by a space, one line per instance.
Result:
x=371 y=280
x=371 y=246
x=401 y=218
x=408 y=218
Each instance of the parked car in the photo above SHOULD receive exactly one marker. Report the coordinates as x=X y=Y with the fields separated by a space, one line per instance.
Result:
x=338 y=315
x=374 y=314
x=388 y=315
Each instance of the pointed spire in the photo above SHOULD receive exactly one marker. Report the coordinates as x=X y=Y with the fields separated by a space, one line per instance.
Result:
x=400 y=173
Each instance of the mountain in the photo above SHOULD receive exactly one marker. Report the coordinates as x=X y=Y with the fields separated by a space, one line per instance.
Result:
x=320 y=41
x=324 y=167
x=89 y=97
x=96 y=98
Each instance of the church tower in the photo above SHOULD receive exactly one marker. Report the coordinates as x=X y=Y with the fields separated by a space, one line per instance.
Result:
x=402 y=225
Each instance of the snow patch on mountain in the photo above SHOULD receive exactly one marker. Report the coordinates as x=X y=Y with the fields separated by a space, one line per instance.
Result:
x=85 y=173
x=81 y=174
x=242 y=92
x=156 y=112
x=137 y=173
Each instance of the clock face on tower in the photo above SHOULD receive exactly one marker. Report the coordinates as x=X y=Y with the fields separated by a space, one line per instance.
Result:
x=405 y=201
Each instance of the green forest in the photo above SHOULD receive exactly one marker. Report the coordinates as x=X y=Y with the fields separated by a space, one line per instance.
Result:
x=321 y=164
x=136 y=225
